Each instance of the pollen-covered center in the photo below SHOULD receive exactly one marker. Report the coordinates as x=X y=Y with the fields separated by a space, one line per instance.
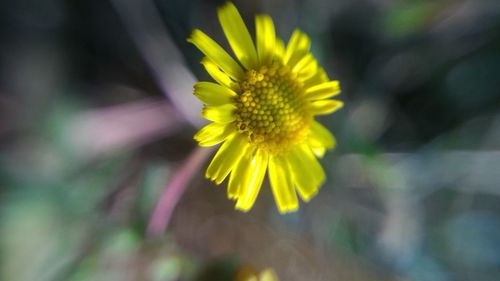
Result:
x=271 y=109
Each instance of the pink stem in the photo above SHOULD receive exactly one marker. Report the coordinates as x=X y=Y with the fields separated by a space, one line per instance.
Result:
x=174 y=190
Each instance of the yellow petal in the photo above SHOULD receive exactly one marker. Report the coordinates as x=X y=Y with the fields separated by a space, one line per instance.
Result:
x=306 y=60
x=318 y=150
x=268 y=275
x=313 y=164
x=217 y=74
x=322 y=107
x=323 y=90
x=307 y=173
x=297 y=47
x=265 y=37
x=216 y=53
x=252 y=180
x=213 y=94
x=227 y=157
x=237 y=176
x=279 y=49
x=237 y=34
x=320 y=135
x=318 y=78
x=220 y=113
x=306 y=67
x=281 y=185
x=213 y=134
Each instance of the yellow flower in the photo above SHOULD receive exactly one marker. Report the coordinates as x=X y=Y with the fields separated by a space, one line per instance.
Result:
x=263 y=111
x=247 y=274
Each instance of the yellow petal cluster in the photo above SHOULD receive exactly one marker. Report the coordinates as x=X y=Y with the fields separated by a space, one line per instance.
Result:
x=263 y=107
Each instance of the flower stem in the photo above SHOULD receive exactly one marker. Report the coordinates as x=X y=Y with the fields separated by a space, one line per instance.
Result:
x=173 y=191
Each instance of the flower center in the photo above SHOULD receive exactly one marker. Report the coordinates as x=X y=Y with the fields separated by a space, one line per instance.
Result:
x=271 y=109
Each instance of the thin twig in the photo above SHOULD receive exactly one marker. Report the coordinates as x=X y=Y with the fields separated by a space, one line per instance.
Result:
x=174 y=190
x=153 y=41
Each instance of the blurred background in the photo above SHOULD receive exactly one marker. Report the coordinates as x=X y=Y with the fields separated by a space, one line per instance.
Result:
x=97 y=117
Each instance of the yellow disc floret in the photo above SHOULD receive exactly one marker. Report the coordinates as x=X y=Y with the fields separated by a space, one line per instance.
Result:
x=271 y=109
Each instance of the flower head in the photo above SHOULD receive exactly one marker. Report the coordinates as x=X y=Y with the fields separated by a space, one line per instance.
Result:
x=262 y=109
